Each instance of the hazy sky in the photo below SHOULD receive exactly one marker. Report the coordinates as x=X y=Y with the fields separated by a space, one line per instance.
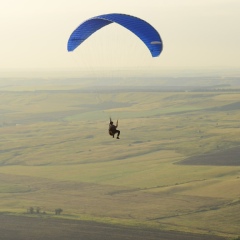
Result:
x=34 y=34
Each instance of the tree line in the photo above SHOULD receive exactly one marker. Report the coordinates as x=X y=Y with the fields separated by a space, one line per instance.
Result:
x=37 y=210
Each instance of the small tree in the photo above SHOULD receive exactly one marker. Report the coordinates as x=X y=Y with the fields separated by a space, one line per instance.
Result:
x=38 y=209
x=58 y=211
x=31 y=210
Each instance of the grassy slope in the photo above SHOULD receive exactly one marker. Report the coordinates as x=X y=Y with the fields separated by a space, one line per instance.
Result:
x=55 y=152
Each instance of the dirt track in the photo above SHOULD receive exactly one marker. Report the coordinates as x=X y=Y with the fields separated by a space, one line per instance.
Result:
x=28 y=228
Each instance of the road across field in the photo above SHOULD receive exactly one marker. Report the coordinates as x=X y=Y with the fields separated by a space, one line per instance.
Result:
x=29 y=228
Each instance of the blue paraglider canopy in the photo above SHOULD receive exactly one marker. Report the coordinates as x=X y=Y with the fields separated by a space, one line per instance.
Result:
x=139 y=27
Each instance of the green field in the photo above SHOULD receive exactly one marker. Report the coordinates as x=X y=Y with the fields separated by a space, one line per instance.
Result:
x=55 y=152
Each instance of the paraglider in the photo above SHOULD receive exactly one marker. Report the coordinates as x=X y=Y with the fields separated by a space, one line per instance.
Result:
x=142 y=29
x=113 y=129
